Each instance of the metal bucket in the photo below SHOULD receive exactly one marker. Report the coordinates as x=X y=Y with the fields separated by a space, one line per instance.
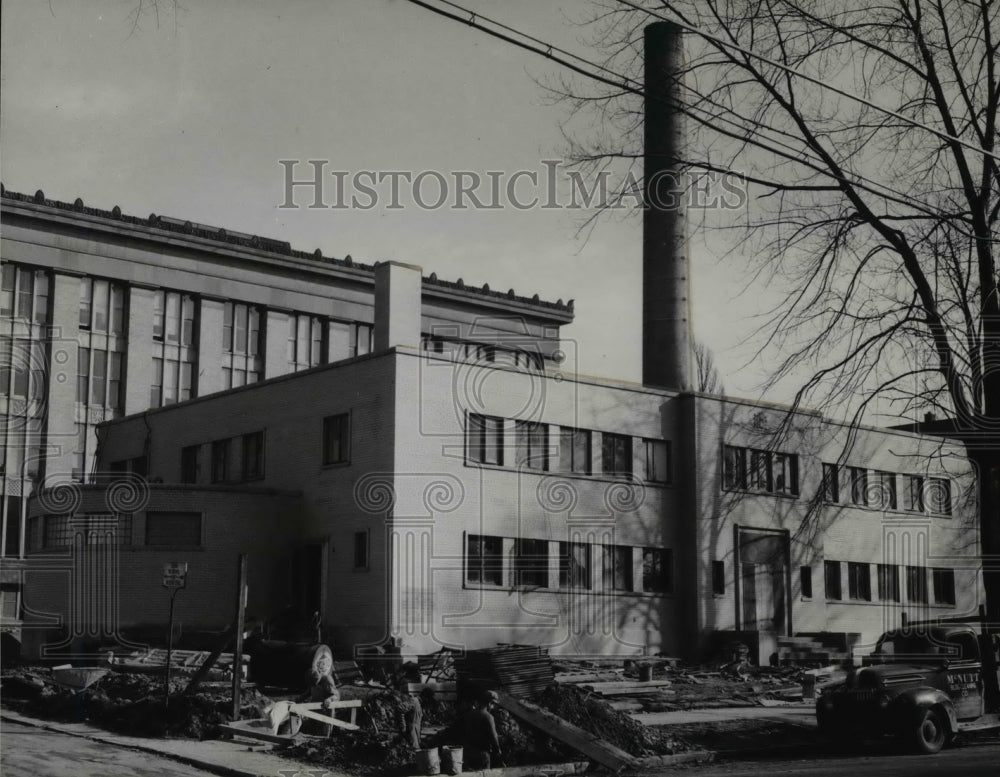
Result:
x=451 y=759
x=428 y=761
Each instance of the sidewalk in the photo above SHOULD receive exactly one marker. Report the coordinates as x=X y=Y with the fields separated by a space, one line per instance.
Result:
x=235 y=759
x=224 y=757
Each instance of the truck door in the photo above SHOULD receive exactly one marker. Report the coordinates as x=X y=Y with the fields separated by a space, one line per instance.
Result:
x=964 y=676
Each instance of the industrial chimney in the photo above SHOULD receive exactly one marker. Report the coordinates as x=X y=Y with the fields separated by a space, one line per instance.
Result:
x=666 y=334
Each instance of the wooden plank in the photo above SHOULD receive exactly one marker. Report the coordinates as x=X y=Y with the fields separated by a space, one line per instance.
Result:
x=337 y=705
x=620 y=684
x=635 y=691
x=594 y=747
x=241 y=728
x=298 y=710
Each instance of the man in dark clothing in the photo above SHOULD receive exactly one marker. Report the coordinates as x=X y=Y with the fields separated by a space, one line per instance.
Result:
x=481 y=740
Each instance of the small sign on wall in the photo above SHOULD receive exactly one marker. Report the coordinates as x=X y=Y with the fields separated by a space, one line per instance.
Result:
x=175 y=574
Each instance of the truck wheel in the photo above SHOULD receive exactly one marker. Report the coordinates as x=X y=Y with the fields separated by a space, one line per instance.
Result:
x=930 y=733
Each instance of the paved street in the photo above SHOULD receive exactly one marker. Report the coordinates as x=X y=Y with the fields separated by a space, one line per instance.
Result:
x=967 y=761
x=35 y=752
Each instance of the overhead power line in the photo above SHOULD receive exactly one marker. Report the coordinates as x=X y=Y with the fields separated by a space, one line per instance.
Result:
x=811 y=79
x=629 y=85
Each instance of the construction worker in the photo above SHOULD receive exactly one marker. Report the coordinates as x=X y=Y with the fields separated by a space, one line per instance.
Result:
x=412 y=713
x=321 y=688
x=481 y=740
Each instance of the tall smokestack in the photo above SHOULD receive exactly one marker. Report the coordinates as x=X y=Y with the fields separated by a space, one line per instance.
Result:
x=666 y=334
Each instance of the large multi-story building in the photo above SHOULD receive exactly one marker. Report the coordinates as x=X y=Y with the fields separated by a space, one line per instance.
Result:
x=104 y=315
x=468 y=489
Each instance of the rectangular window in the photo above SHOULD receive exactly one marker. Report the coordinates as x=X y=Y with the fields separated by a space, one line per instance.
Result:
x=759 y=471
x=913 y=497
x=189 y=464
x=253 y=456
x=859 y=582
x=886 y=490
x=485 y=439
x=617 y=568
x=657 y=461
x=220 y=461
x=174 y=351
x=719 y=578
x=785 y=472
x=574 y=565
x=242 y=344
x=859 y=485
x=944 y=585
x=89 y=529
x=616 y=454
x=734 y=476
x=938 y=496
x=831 y=483
x=916 y=584
x=307 y=339
x=82 y=374
x=484 y=559
x=806 y=582
x=574 y=450
x=657 y=570
x=532 y=445
x=361 y=549
x=831 y=570
x=173 y=528
x=86 y=303
x=337 y=439
x=888 y=582
x=531 y=563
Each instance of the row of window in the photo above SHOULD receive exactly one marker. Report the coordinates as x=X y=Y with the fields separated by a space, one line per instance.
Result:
x=241 y=459
x=528 y=445
x=859 y=582
x=233 y=460
x=879 y=490
x=526 y=564
x=762 y=471
x=467 y=350
x=163 y=529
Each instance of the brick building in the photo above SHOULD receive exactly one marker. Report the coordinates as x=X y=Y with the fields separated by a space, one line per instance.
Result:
x=103 y=314
x=434 y=492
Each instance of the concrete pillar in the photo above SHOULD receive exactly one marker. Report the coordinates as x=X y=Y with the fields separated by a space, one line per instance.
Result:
x=276 y=344
x=397 y=305
x=210 y=347
x=139 y=361
x=62 y=368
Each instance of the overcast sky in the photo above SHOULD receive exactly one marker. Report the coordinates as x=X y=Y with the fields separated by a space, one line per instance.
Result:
x=189 y=115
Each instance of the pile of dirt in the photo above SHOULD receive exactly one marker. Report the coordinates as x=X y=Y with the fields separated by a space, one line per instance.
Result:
x=592 y=713
x=132 y=704
x=378 y=748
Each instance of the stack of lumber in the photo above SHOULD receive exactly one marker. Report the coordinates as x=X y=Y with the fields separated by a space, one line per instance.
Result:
x=519 y=670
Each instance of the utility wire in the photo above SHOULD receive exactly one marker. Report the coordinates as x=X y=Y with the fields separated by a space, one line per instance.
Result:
x=819 y=82
x=629 y=85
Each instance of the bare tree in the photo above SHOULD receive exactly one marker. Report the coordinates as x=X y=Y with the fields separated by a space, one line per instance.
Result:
x=707 y=374
x=868 y=137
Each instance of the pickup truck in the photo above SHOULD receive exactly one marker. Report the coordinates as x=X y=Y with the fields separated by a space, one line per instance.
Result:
x=925 y=683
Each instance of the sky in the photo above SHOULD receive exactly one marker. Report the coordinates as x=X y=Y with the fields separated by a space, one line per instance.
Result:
x=189 y=114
